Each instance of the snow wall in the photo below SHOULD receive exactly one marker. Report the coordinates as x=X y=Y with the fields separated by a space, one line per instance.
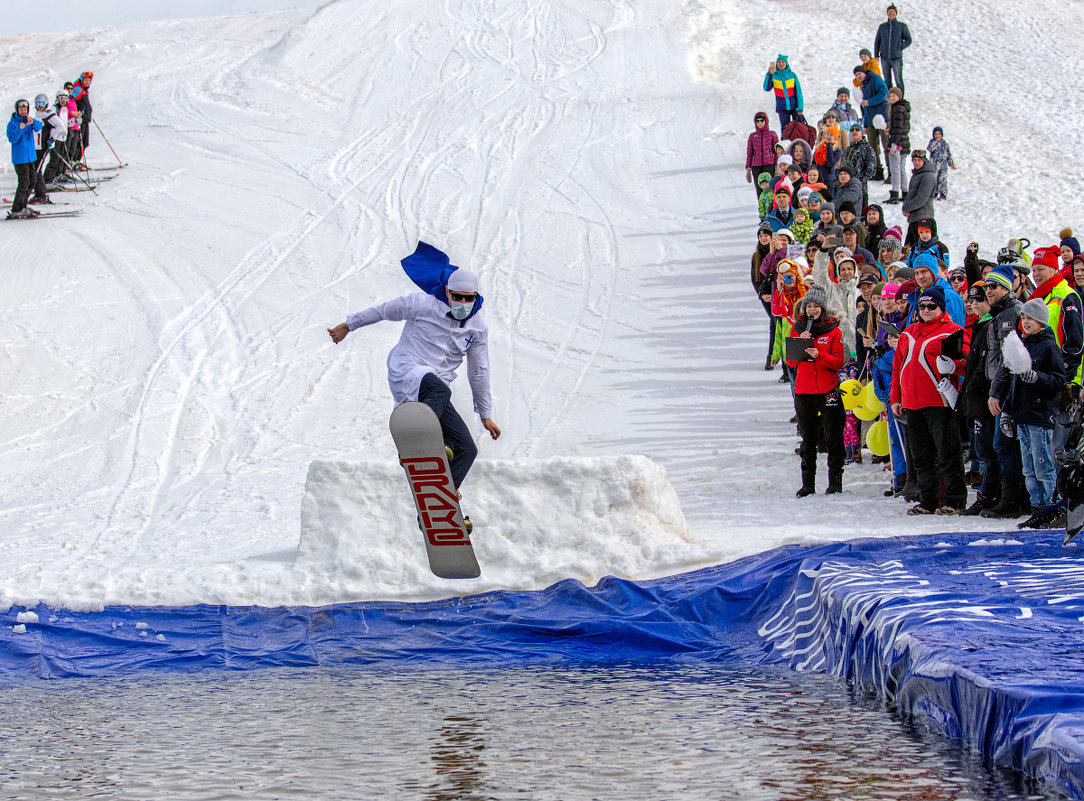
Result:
x=979 y=638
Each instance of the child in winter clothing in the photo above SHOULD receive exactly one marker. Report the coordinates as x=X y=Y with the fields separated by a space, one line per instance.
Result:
x=802 y=227
x=940 y=156
x=1032 y=402
x=764 y=181
x=899 y=143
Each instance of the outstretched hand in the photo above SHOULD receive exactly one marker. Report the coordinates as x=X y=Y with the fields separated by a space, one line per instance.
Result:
x=339 y=332
x=493 y=429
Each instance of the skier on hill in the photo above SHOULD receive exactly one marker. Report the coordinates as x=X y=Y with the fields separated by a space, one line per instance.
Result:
x=81 y=94
x=21 y=130
x=44 y=141
x=60 y=136
x=443 y=325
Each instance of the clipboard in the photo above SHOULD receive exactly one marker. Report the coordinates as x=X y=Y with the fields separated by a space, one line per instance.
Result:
x=953 y=345
x=796 y=347
x=889 y=329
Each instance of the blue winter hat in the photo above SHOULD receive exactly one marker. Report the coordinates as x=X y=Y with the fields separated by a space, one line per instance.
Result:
x=939 y=130
x=925 y=261
x=1002 y=275
x=934 y=294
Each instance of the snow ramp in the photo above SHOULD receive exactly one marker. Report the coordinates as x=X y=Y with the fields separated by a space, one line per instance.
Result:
x=551 y=519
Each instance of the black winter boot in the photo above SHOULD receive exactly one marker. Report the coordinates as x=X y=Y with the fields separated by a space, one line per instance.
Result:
x=808 y=485
x=835 y=483
x=1011 y=503
x=893 y=197
x=981 y=502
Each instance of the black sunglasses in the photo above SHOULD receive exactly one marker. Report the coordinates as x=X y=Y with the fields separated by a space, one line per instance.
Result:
x=928 y=306
x=462 y=297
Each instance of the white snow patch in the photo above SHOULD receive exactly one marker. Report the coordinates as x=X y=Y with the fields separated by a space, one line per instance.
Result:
x=26 y=617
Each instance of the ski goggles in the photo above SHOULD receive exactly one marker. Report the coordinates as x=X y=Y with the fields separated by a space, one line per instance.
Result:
x=41 y=103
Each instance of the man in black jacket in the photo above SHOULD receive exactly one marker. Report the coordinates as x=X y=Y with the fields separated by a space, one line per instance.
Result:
x=974 y=405
x=893 y=38
x=1005 y=309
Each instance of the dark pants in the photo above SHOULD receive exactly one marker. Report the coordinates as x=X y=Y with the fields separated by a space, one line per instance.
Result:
x=1008 y=455
x=437 y=395
x=771 y=325
x=785 y=117
x=38 y=184
x=25 y=175
x=893 y=65
x=984 y=427
x=55 y=166
x=829 y=409
x=935 y=446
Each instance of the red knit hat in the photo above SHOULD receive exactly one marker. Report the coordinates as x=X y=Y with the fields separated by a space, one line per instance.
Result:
x=1048 y=257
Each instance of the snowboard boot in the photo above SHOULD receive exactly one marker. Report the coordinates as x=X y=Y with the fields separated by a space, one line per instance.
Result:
x=835 y=484
x=981 y=502
x=1012 y=503
x=893 y=198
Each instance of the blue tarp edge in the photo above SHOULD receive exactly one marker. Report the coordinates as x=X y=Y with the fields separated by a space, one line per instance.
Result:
x=980 y=638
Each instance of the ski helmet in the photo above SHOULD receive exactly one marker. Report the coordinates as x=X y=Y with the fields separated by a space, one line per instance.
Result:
x=86 y=74
x=62 y=93
x=41 y=100
x=22 y=101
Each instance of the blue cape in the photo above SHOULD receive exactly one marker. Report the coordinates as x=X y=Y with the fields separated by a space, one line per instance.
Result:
x=430 y=268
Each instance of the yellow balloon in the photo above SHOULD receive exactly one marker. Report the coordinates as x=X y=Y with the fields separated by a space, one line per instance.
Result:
x=851 y=390
x=877 y=438
x=864 y=413
x=871 y=401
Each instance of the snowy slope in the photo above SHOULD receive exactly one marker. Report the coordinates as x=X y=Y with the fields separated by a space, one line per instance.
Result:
x=169 y=377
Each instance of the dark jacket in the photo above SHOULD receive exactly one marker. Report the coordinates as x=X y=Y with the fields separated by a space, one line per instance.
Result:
x=875 y=91
x=893 y=37
x=862 y=162
x=1037 y=403
x=1005 y=314
x=876 y=232
x=976 y=388
x=852 y=192
x=83 y=104
x=899 y=125
x=921 y=191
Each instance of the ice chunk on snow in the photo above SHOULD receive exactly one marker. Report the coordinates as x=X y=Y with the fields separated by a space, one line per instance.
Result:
x=26 y=617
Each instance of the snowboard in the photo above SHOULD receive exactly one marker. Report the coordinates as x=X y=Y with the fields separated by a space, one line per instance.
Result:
x=418 y=438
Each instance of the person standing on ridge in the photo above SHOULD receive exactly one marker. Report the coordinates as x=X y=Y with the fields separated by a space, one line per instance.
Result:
x=788 y=91
x=21 y=130
x=893 y=37
x=443 y=326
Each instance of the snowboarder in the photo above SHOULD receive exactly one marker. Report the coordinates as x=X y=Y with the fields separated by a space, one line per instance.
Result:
x=443 y=325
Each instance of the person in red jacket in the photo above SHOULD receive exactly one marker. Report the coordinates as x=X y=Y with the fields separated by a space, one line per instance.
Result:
x=923 y=389
x=816 y=390
x=760 y=150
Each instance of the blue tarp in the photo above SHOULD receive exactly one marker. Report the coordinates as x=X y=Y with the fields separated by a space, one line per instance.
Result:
x=982 y=640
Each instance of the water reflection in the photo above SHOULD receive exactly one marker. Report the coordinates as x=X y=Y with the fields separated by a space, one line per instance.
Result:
x=615 y=732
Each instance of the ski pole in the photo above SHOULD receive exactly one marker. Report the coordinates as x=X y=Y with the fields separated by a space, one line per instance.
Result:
x=96 y=125
x=75 y=172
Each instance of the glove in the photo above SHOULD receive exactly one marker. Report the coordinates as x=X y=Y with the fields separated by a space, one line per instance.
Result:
x=945 y=365
x=1029 y=377
x=749 y=176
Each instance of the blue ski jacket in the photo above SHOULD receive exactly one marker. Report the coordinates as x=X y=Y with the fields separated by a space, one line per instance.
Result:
x=875 y=90
x=22 y=140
